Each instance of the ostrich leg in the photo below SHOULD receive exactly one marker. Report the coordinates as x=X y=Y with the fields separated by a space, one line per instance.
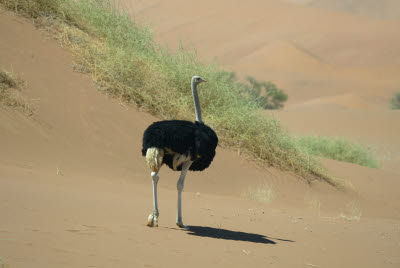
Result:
x=153 y=217
x=180 y=186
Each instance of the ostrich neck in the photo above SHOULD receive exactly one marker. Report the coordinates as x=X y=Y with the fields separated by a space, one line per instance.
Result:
x=196 y=102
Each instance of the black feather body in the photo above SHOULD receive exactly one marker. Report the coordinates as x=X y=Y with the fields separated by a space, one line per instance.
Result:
x=194 y=139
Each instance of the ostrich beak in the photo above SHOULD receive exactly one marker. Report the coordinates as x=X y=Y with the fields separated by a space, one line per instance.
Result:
x=202 y=80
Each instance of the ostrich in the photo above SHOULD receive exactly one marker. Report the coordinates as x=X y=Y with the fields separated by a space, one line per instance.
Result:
x=181 y=145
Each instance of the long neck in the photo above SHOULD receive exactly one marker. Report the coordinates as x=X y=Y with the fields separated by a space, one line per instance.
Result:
x=196 y=102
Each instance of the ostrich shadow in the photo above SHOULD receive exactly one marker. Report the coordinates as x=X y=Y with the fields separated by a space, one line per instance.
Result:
x=218 y=233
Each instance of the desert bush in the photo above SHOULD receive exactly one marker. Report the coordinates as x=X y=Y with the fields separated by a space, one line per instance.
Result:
x=266 y=94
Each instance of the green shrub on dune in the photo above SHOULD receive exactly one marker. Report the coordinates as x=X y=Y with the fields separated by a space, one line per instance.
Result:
x=340 y=149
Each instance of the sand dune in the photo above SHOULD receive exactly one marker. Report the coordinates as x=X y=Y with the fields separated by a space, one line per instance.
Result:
x=75 y=191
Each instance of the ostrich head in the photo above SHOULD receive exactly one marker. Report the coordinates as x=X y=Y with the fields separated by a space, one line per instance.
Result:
x=197 y=80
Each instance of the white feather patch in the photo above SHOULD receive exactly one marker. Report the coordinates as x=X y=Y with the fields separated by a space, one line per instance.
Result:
x=154 y=158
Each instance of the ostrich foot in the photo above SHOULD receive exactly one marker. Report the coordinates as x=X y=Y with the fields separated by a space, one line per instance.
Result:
x=152 y=221
x=180 y=224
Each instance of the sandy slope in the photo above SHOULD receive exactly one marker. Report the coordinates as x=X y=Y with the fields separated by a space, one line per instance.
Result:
x=75 y=192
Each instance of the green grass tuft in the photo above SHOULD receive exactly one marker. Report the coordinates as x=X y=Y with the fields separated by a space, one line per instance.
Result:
x=340 y=149
x=125 y=62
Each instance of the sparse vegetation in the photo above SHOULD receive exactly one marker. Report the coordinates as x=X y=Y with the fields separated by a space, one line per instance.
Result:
x=340 y=149
x=395 y=101
x=10 y=87
x=125 y=62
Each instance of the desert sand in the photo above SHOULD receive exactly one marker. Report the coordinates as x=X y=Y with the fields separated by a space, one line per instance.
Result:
x=76 y=192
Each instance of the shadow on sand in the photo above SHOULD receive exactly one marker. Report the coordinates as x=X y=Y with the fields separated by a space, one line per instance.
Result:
x=218 y=233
